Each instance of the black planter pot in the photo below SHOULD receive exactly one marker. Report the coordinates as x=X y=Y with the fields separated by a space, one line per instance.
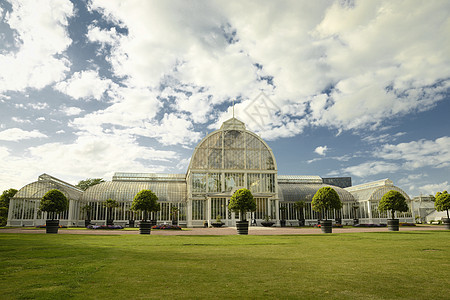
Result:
x=301 y=222
x=267 y=223
x=283 y=223
x=355 y=221
x=446 y=222
x=110 y=222
x=174 y=222
x=326 y=226
x=242 y=227
x=51 y=226
x=217 y=224
x=145 y=227
x=87 y=223
x=392 y=224
x=153 y=222
x=131 y=223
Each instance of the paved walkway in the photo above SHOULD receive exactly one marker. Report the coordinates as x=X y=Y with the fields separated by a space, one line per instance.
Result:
x=226 y=230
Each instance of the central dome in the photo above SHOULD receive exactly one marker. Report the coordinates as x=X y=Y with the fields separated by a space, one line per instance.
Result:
x=232 y=147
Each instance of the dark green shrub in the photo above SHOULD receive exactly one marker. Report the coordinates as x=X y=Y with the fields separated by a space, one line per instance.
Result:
x=145 y=201
x=242 y=201
x=393 y=201
x=54 y=201
x=326 y=198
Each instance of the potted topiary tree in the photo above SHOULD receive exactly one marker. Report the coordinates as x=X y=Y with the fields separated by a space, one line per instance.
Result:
x=54 y=201
x=326 y=198
x=299 y=205
x=174 y=213
x=267 y=222
x=283 y=216
x=393 y=201
x=218 y=222
x=145 y=201
x=242 y=202
x=87 y=209
x=442 y=203
x=355 y=210
x=110 y=204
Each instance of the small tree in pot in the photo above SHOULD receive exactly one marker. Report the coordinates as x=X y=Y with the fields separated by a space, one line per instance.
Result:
x=218 y=222
x=267 y=222
x=145 y=201
x=442 y=203
x=54 y=201
x=326 y=198
x=174 y=213
x=393 y=201
x=283 y=216
x=87 y=209
x=355 y=212
x=299 y=205
x=110 y=204
x=242 y=202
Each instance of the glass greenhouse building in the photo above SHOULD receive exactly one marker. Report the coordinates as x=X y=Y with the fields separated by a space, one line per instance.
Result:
x=225 y=160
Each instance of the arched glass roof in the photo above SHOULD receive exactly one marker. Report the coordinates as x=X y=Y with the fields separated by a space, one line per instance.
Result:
x=376 y=193
x=45 y=183
x=232 y=147
x=291 y=192
x=173 y=191
x=374 y=190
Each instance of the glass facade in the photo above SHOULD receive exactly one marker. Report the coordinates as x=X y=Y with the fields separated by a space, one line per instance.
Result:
x=224 y=161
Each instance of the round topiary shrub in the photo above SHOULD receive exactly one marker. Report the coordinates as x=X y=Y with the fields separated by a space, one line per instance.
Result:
x=54 y=201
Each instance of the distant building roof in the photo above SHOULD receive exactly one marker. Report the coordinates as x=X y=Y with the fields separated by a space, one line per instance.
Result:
x=299 y=179
x=123 y=176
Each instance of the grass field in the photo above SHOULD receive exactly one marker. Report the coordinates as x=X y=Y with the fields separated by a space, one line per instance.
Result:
x=385 y=265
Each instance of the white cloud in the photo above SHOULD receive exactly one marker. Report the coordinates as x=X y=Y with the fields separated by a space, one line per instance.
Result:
x=432 y=189
x=38 y=105
x=41 y=36
x=19 y=120
x=333 y=64
x=87 y=156
x=418 y=154
x=321 y=150
x=102 y=36
x=372 y=168
x=383 y=138
x=17 y=134
x=411 y=178
x=71 y=111
x=172 y=130
x=385 y=60
x=84 y=85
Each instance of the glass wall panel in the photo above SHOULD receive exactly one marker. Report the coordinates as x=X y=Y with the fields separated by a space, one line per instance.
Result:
x=267 y=160
x=199 y=182
x=254 y=183
x=261 y=208
x=215 y=159
x=234 y=159
x=198 y=209
x=267 y=183
x=233 y=180
x=253 y=159
x=218 y=208
x=215 y=182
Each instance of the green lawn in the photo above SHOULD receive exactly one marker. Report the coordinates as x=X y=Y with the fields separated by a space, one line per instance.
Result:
x=387 y=265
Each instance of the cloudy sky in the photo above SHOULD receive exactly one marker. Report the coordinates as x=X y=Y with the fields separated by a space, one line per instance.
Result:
x=343 y=88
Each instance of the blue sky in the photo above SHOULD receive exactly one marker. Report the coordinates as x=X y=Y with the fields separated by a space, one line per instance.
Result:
x=343 y=88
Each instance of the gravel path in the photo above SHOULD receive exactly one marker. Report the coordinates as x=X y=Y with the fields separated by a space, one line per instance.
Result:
x=224 y=231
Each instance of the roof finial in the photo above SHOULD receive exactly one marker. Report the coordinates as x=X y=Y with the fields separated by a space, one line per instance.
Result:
x=233 y=108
